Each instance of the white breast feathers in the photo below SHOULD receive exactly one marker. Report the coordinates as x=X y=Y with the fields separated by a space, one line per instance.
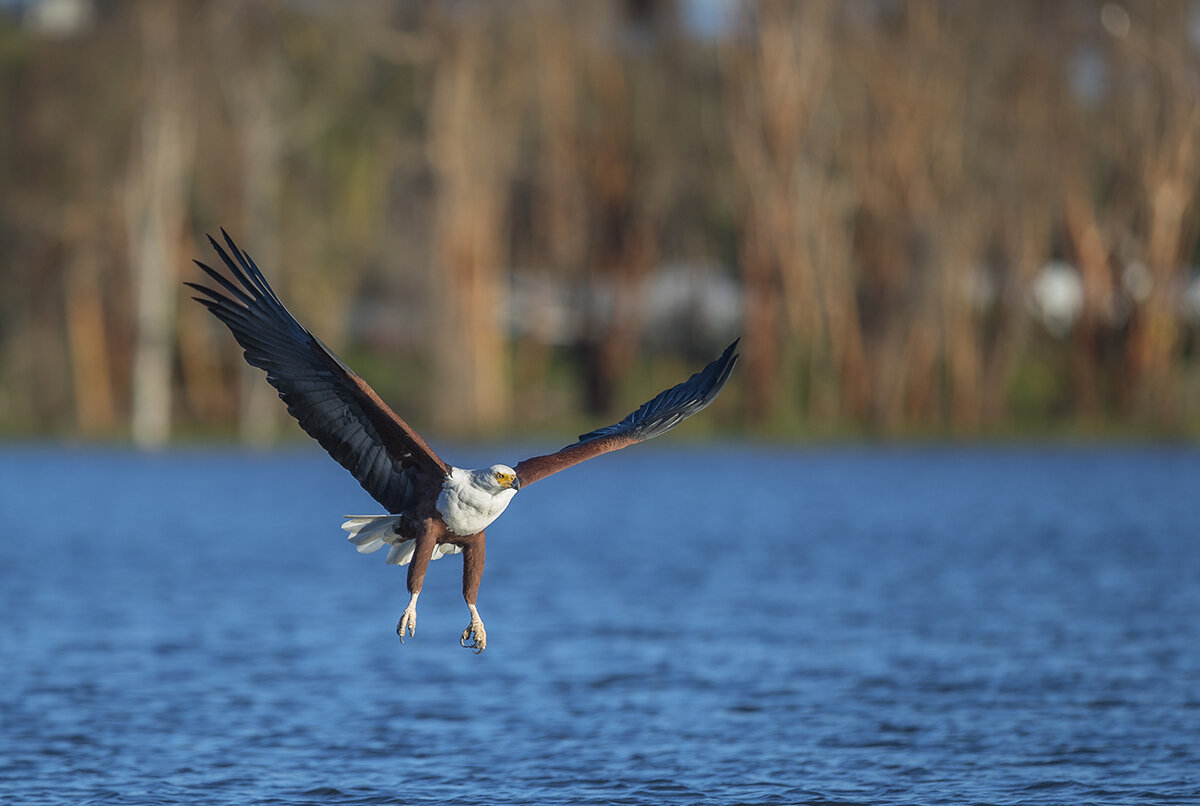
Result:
x=471 y=499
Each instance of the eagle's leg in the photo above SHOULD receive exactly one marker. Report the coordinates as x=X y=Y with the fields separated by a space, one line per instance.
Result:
x=474 y=633
x=408 y=621
x=416 y=578
x=474 y=637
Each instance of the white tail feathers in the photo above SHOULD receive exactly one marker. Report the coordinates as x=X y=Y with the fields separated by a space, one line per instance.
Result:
x=401 y=553
x=369 y=533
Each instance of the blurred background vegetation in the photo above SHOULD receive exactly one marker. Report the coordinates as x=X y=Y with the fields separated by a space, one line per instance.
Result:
x=923 y=218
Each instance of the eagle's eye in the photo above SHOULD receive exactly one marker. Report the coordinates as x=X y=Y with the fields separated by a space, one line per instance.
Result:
x=503 y=478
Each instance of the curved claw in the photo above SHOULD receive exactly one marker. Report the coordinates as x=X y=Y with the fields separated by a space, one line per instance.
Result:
x=408 y=622
x=476 y=635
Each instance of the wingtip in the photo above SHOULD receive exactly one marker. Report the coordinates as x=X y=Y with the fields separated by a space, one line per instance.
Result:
x=204 y=267
x=233 y=247
x=727 y=360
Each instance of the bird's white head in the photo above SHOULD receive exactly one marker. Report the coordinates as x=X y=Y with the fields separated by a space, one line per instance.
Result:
x=471 y=499
x=496 y=479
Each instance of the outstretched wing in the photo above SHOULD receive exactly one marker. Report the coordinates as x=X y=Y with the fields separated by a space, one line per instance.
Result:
x=331 y=403
x=655 y=417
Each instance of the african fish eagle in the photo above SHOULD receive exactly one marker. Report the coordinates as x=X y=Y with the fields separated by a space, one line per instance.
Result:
x=435 y=508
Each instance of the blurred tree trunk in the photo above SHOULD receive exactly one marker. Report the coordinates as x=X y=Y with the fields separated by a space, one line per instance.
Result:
x=1154 y=172
x=87 y=287
x=792 y=247
x=254 y=83
x=87 y=336
x=761 y=324
x=1169 y=181
x=623 y=250
x=155 y=199
x=1028 y=104
x=472 y=148
x=559 y=216
x=622 y=92
x=1091 y=255
x=919 y=227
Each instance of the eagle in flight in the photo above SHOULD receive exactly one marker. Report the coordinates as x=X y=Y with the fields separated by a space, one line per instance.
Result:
x=434 y=508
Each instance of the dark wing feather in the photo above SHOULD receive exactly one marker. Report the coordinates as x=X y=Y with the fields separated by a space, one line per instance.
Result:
x=655 y=417
x=331 y=403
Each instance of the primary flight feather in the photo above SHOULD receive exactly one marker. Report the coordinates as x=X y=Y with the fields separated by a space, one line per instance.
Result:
x=435 y=508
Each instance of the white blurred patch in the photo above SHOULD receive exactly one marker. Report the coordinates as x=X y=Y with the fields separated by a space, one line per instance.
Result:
x=981 y=289
x=1189 y=301
x=1056 y=297
x=1115 y=20
x=1137 y=281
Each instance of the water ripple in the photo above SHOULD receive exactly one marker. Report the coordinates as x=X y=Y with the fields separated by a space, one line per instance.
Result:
x=897 y=626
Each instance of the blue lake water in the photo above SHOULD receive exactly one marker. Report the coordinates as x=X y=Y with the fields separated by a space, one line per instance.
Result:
x=665 y=626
